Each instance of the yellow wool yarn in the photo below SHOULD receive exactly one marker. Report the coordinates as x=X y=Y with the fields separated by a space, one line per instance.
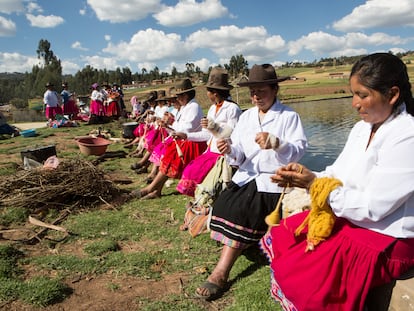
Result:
x=320 y=219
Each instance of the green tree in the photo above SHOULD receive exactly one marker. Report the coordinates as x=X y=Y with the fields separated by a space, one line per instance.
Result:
x=174 y=72
x=190 y=69
x=49 y=69
x=126 y=77
x=238 y=66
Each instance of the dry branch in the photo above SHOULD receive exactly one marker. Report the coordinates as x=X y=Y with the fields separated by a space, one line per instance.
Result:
x=74 y=184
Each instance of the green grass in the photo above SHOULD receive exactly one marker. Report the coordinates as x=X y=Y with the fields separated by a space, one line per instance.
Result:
x=39 y=291
x=42 y=291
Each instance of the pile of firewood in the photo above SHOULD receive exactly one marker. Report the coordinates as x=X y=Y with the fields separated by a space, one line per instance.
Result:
x=74 y=184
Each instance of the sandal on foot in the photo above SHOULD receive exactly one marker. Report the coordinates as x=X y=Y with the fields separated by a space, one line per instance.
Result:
x=214 y=291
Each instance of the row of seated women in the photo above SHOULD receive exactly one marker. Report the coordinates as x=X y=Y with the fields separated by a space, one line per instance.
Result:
x=358 y=237
x=183 y=146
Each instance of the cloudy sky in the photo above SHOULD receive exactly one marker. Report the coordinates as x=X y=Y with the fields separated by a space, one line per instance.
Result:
x=165 y=33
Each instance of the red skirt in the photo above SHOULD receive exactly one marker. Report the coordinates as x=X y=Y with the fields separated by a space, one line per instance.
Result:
x=70 y=107
x=112 y=109
x=339 y=272
x=177 y=154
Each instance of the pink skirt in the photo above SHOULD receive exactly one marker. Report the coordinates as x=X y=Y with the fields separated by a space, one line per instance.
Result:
x=158 y=151
x=339 y=272
x=97 y=108
x=141 y=129
x=154 y=137
x=195 y=172
x=51 y=112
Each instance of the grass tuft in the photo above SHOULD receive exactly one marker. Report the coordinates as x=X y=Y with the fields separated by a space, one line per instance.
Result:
x=43 y=291
x=100 y=247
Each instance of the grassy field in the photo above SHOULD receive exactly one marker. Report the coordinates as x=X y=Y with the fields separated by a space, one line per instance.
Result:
x=116 y=257
x=132 y=255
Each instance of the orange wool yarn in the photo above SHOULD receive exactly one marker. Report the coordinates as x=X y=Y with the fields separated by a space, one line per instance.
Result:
x=320 y=219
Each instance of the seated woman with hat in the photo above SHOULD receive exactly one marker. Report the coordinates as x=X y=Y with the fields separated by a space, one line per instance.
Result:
x=179 y=151
x=266 y=137
x=221 y=119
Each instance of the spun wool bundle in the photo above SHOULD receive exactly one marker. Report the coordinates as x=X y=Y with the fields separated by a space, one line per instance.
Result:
x=320 y=219
x=295 y=201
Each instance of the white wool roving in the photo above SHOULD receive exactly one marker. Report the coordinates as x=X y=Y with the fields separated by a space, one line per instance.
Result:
x=296 y=201
x=218 y=131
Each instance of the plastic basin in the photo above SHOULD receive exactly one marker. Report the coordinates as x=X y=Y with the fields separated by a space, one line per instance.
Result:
x=93 y=145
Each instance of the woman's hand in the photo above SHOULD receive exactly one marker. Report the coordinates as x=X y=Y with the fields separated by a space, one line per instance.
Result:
x=204 y=123
x=224 y=145
x=293 y=175
x=180 y=135
x=267 y=141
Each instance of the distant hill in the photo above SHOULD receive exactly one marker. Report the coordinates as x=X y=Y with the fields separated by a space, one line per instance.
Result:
x=12 y=75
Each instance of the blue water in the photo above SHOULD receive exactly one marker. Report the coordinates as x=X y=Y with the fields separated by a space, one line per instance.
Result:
x=327 y=124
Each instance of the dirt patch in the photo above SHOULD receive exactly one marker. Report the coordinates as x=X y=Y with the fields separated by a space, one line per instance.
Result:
x=109 y=293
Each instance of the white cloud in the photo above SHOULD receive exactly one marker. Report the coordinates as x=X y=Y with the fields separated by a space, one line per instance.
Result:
x=15 y=62
x=107 y=38
x=378 y=13
x=42 y=21
x=101 y=62
x=203 y=64
x=375 y=39
x=78 y=46
x=397 y=50
x=69 y=67
x=7 y=27
x=147 y=66
x=82 y=12
x=190 y=12
x=34 y=7
x=322 y=43
x=122 y=11
x=11 y=6
x=254 y=43
x=150 y=46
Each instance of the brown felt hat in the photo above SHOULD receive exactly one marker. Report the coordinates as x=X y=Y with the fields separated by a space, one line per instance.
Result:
x=218 y=79
x=160 y=95
x=184 y=86
x=152 y=96
x=262 y=74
